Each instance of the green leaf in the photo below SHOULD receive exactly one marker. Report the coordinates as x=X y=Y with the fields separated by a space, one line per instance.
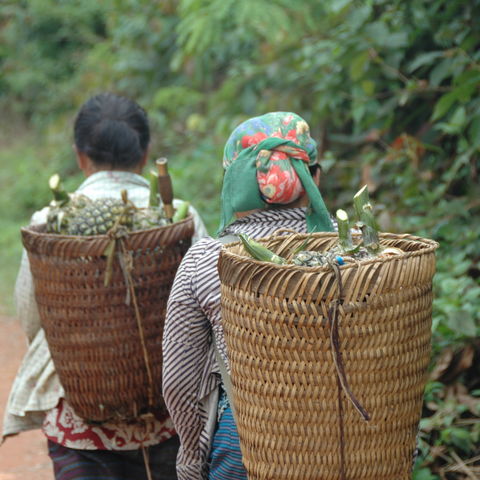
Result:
x=465 y=91
x=358 y=111
x=368 y=87
x=424 y=59
x=474 y=132
x=468 y=77
x=359 y=65
x=462 y=94
x=459 y=117
x=462 y=323
x=424 y=474
x=403 y=98
x=461 y=439
x=397 y=40
x=456 y=123
x=443 y=105
x=335 y=6
x=174 y=97
x=440 y=72
x=378 y=33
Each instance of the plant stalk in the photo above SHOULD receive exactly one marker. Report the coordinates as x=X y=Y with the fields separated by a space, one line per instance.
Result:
x=60 y=195
x=344 y=233
x=154 y=200
x=181 y=212
x=367 y=222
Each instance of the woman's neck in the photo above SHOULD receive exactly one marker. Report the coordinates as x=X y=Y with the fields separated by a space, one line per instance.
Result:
x=301 y=202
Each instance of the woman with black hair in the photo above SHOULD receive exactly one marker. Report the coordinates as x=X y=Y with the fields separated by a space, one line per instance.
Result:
x=112 y=137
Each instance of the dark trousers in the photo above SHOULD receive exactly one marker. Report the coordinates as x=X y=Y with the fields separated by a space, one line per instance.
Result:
x=72 y=464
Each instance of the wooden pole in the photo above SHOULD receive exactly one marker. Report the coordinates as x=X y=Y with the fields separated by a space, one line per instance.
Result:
x=165 y=187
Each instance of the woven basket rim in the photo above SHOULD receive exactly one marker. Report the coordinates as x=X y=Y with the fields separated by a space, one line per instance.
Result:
x=35 y=230
x=81 y=246
x=430 y=247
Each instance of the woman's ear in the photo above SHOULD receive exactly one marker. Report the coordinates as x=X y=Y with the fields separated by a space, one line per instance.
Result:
x=144 y=159
x=84 y=162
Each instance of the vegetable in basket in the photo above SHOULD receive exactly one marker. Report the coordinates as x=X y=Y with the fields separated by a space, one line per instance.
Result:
x=259 y=251
x=152 y=216
x=345 y=250
x=303 y=258
x=76 y=214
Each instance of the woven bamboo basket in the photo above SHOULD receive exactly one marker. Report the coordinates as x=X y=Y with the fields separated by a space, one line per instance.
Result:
x=295 y=419
x=105 y=341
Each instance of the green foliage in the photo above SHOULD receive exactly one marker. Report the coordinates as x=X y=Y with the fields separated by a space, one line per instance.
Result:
x=43 y=43
x=10 y=253
x=449 y=429
x=390 y=89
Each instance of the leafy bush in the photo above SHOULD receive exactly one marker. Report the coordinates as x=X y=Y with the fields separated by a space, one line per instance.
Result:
x=390 y=89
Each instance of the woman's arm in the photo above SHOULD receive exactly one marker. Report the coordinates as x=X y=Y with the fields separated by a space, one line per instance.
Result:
x=24 y=295
x=187 y=356
x=25 y=303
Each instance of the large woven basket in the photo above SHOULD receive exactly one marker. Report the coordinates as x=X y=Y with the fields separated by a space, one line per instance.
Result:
x=105 y=341
x=295 y=419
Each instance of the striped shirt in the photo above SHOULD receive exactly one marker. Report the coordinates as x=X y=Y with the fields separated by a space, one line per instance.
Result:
x=190 y=373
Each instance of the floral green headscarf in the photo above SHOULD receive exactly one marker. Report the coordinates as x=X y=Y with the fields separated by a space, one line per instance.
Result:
x=266 y=161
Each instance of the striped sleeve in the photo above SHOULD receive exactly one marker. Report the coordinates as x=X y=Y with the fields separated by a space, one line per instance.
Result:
x=190 y=372
x=187 y=354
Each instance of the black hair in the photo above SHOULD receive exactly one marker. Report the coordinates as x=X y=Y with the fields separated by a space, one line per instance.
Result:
x=314 y=168
x=112 y=131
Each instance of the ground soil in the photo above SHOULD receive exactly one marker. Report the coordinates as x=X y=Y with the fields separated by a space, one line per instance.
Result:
x=24 y=456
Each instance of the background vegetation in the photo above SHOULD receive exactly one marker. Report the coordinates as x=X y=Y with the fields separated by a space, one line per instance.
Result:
x=390 y=89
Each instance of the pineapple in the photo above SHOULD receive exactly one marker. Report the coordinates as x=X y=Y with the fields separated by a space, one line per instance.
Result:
x=58 y=216
x=99 y=216
x=76 y=214
x=63 y=206
x=145 y=218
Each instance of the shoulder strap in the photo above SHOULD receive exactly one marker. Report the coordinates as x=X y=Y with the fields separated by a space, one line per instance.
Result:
x=227 y=381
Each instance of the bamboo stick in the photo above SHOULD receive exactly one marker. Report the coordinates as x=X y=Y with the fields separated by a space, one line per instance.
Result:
x=60 y=195
x=344 y=234
x=154 y=200
x=366 y=220
x=165 y=187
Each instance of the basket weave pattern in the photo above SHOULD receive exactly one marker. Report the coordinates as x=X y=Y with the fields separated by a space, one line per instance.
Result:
x=293 y=418
x=91 y=329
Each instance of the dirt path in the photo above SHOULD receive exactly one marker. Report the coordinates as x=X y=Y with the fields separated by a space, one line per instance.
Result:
x=23 y=456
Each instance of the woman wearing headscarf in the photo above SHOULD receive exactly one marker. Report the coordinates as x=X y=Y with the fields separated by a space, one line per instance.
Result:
x=271 y=182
